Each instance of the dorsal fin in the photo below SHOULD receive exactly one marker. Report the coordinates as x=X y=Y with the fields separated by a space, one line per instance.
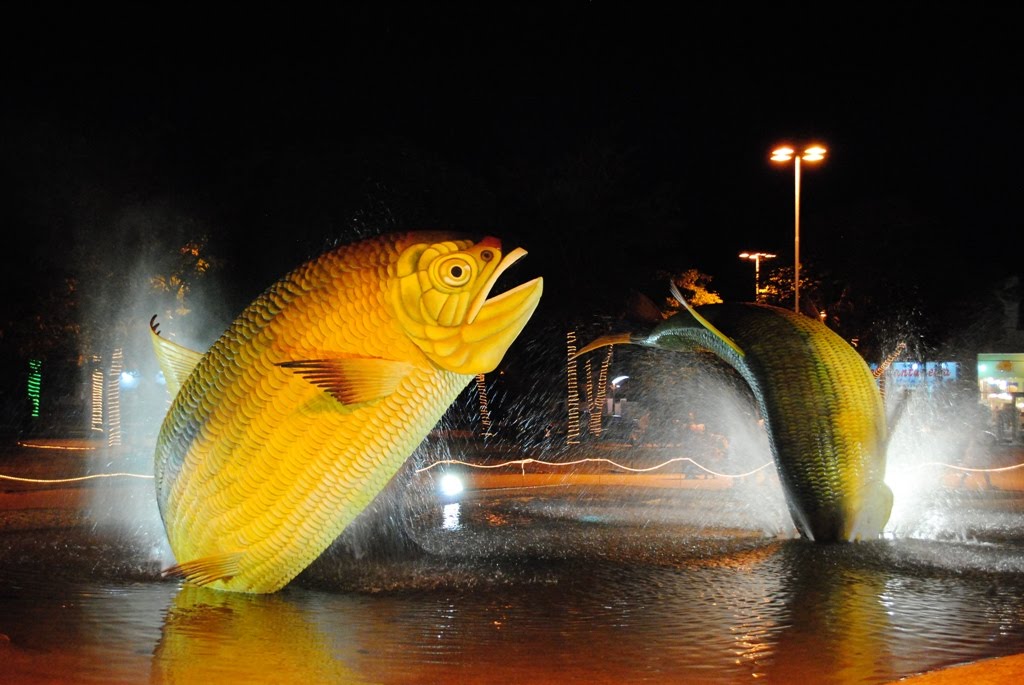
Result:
x=704 y=322
x=176 y=361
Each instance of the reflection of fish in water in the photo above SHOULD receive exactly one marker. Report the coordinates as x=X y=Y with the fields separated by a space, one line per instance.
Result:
x=821 y=406
x=206 y=633
x=297 y=417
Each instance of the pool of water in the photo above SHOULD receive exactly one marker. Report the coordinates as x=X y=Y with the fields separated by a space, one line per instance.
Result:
x=523 y=585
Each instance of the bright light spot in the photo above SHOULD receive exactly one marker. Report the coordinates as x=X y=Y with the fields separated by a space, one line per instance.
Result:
x=451 y=485
x=451 y=516
x=815 y=153
x=129 y=379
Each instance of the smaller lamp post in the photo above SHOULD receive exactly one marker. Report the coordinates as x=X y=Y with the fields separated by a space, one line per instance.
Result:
x=757 y=257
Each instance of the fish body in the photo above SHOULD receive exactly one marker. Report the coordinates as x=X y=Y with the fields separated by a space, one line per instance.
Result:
x=299 y=415
x=822 y=409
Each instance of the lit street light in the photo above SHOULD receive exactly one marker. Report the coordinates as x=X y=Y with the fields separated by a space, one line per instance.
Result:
x=814 y=153
x=757 y=257
x=616 y=405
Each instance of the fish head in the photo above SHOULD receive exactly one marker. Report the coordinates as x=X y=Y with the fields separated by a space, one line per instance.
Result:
x=440 y=293
x=835 y=490
x=860 y=444
x=868 y=520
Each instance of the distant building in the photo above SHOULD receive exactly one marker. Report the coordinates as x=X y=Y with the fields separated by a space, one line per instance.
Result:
x=1001 y=388
x=1001 y=370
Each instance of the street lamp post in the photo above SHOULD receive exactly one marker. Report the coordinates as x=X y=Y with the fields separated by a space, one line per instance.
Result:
x=616 y=384
x=813 y=153
x=757 y=257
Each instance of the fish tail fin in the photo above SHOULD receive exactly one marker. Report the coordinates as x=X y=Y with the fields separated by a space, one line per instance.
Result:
x=206 y=570
x=604 y=341
x=704 y=322
x=176 y=361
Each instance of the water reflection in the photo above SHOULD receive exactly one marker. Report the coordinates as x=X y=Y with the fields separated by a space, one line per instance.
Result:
x=634 y=585
x=779 y=612
x=835 y=611
x=451 y=516
x=211 y=637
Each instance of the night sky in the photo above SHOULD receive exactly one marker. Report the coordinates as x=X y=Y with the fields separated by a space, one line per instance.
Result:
x=610 y=142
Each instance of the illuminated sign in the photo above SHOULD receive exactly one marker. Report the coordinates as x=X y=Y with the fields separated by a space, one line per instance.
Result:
x=1001 y=365
x=916 y=374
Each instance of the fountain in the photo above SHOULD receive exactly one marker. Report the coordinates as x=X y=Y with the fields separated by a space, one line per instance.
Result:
x=665 y=556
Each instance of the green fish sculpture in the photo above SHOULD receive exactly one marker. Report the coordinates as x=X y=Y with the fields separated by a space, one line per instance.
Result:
x=821 y=406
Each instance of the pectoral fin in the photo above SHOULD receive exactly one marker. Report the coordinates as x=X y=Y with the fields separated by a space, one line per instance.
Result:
x=352 y=380
x=206 y=570
x=603 y=341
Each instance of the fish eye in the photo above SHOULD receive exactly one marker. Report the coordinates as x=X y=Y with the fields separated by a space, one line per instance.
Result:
x=455 y=272
x=486 y=255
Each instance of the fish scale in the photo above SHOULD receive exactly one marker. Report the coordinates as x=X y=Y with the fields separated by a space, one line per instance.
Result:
x=250 y=457
x=826 y=468
x=823 y=377
x=301 y=413
x=822 y=409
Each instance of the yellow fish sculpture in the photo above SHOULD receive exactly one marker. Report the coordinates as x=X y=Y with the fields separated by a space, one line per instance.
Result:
x=299 y=415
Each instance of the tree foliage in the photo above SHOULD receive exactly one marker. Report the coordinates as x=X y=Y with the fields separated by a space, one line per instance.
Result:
x=185 y=274
x=693 y=284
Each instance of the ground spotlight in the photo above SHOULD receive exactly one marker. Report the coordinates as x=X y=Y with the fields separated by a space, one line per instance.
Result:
x=451 y=485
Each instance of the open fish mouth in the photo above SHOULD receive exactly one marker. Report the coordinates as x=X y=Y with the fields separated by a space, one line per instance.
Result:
x=491 y=325
x=482 y=297
x=509 y=309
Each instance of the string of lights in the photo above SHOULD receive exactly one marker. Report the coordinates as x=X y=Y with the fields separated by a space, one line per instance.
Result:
x=522 y=463
x=674 y=460
x=67 y=448
x=96 y=415
x=485 y=412
x=589 y=460
x=572 y=436
x=114 y=399
x=35 y=384
x=887 y=362
x=597 y=413
x=76 y=479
